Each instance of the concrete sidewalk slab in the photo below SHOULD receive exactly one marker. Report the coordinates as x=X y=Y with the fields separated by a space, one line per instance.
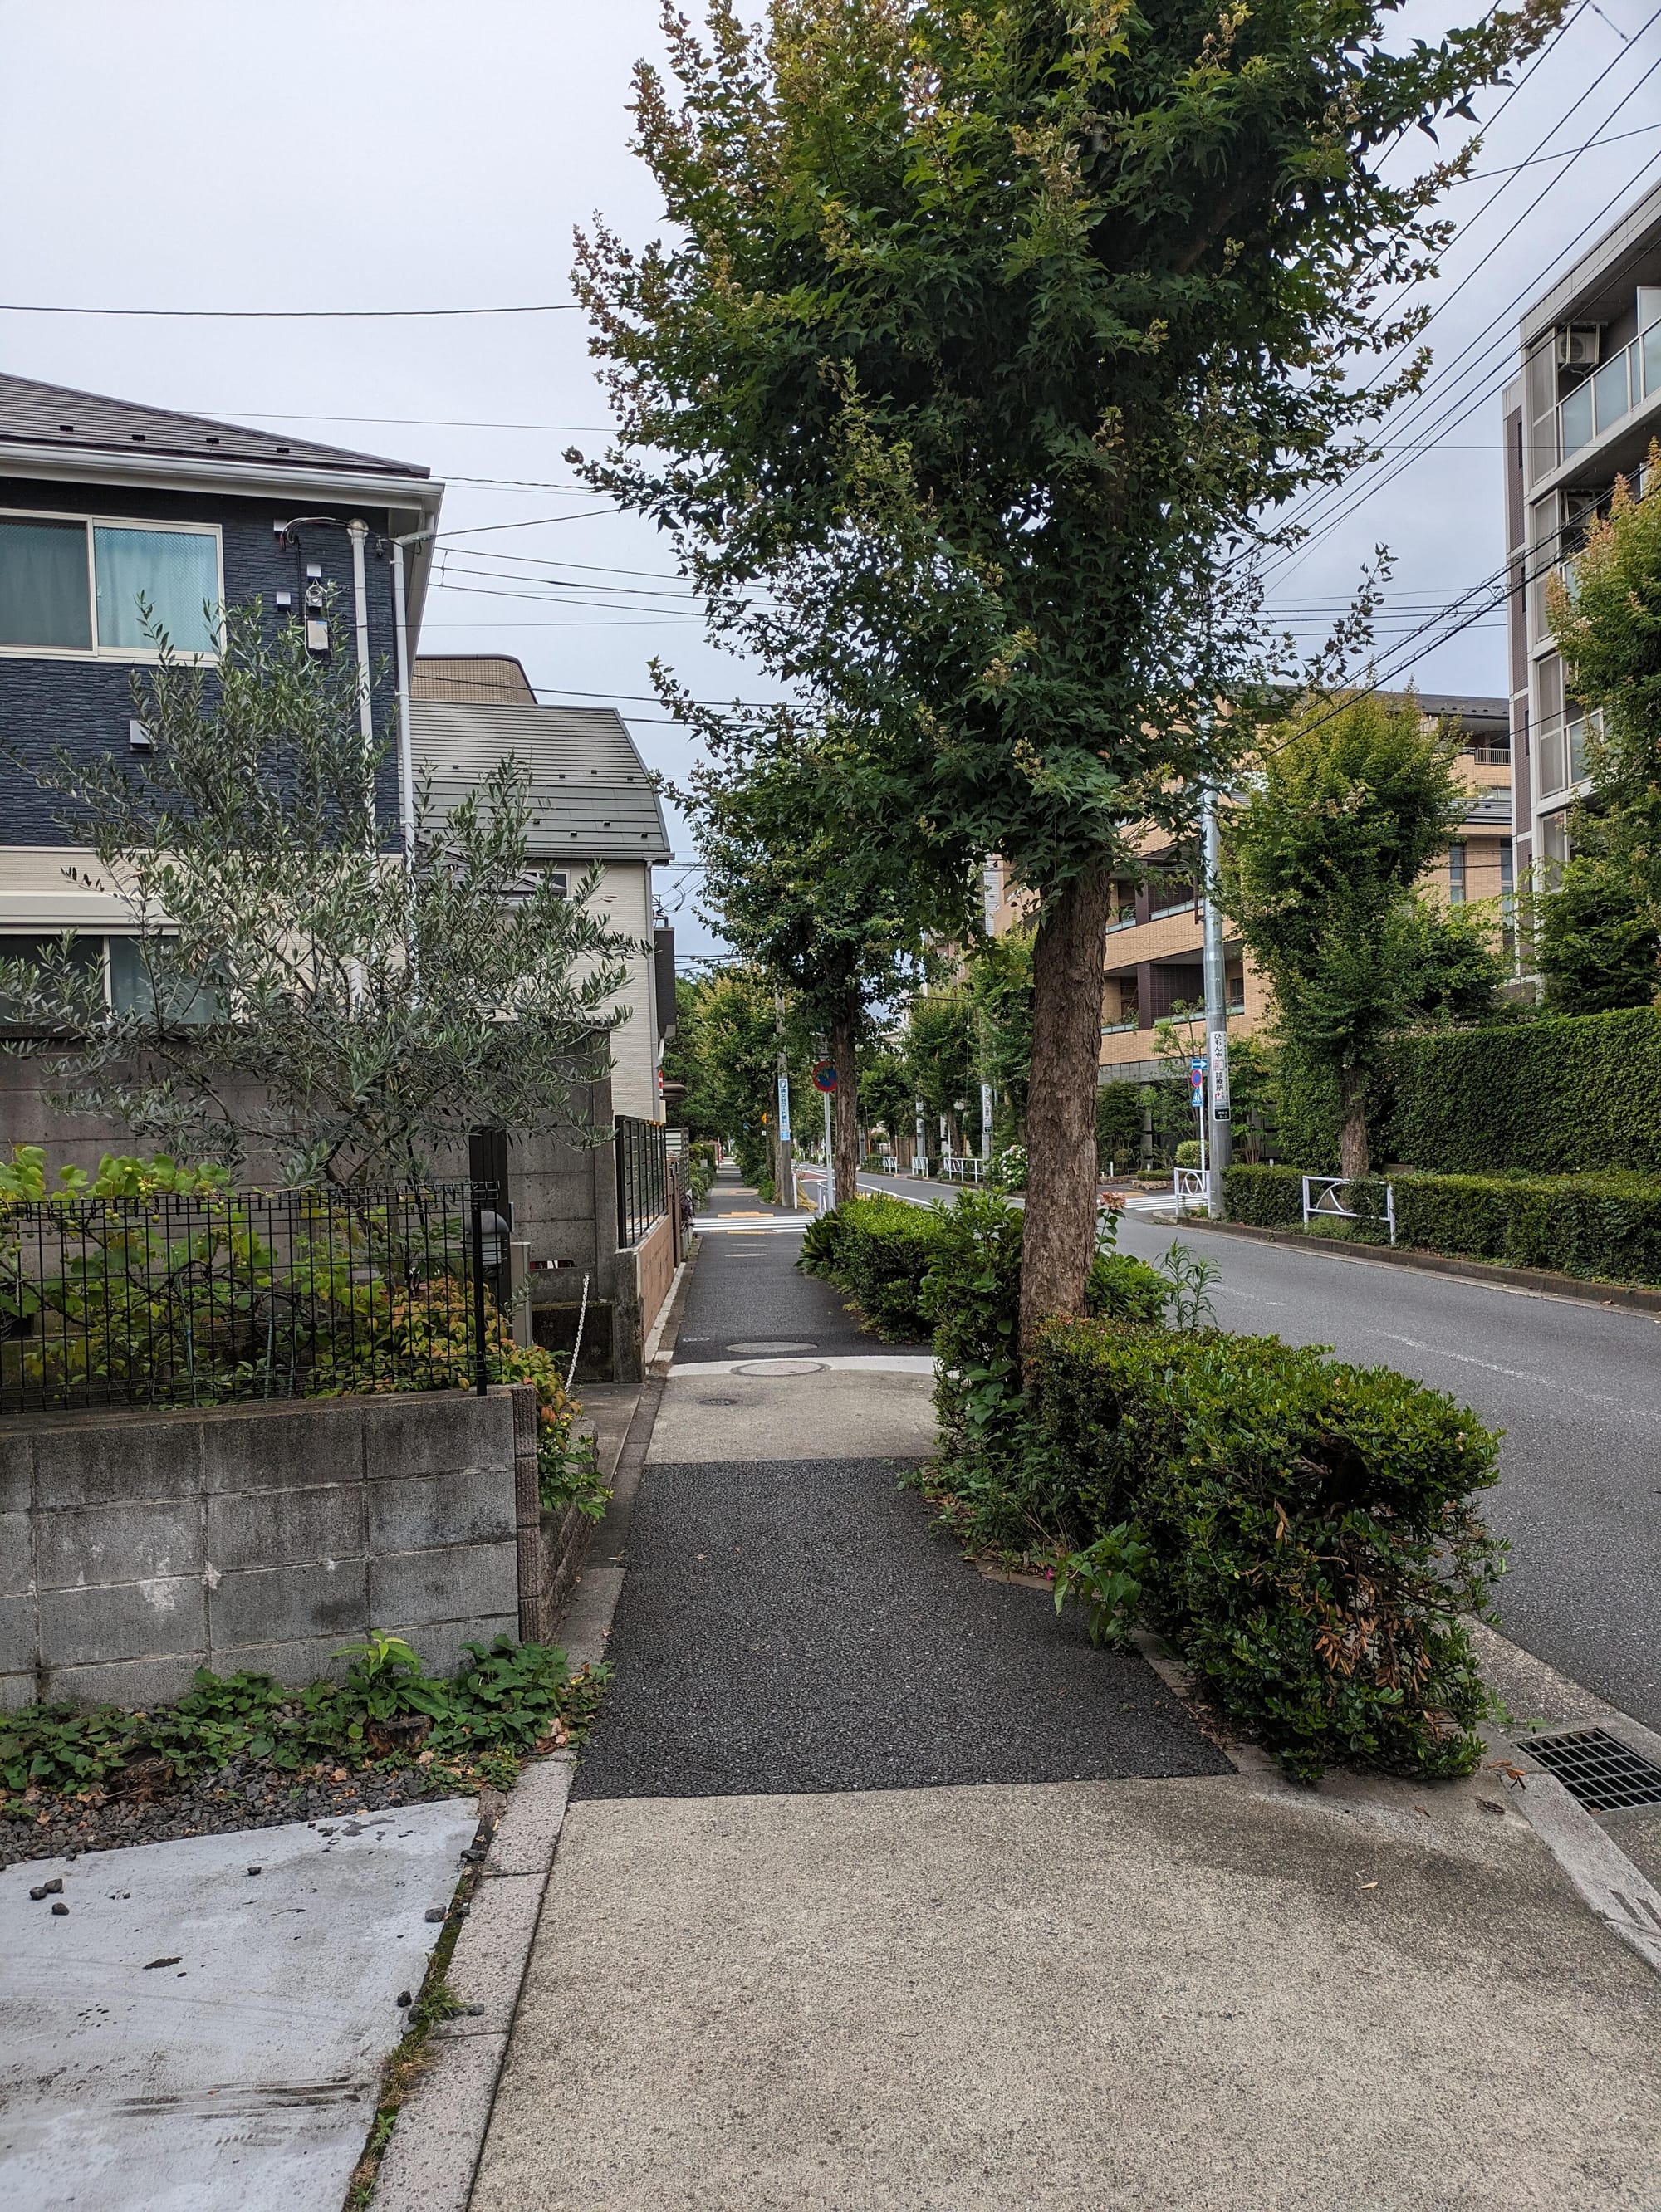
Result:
x=859 y=1409
x=1224 y=1995
x=192 y=2034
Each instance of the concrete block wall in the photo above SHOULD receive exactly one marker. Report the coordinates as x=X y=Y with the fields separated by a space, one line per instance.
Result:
x=136 y=1547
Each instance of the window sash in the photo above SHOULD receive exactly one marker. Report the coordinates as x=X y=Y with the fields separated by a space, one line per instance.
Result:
x=67 y=588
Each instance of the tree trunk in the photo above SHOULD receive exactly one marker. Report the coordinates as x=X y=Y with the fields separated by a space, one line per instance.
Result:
x=845 y=1102
x=1058 y=1239
x=1354 y=1156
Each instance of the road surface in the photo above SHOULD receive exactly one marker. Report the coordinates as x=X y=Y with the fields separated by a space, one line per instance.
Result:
x=1577 y=1390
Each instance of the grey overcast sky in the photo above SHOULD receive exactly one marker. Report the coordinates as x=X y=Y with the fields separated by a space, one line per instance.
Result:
x=421 y=153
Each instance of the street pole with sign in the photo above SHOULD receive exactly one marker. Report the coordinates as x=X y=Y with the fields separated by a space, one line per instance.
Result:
x=1216 y=1155
x=824 y=1082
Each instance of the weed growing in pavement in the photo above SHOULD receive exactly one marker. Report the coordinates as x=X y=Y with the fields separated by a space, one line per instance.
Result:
x=568 y=1474
x=1106 y=1579
x=507 y=1700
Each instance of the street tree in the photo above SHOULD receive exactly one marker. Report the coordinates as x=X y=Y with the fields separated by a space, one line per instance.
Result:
x=980 y=340
x=802 y=877
x=1343 y=812
x=303 y=997
x=1599 y=930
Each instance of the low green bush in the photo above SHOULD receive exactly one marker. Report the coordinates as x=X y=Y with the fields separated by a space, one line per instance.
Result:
x=700 y=1171
x=386 y=1712
x=1188 y=1152
x=952 y=1274
x=1267 y=1198
x=1607 y=1228
x=1310 y=1544
x=878 y=1250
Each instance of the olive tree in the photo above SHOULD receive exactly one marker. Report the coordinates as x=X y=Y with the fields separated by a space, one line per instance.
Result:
x=302 y=994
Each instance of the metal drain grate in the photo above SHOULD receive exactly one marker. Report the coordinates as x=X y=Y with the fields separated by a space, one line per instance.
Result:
x=1597 y=1770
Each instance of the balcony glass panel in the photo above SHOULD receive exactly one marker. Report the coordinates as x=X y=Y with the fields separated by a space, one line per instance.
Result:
x=1551 y=756
x=1650 y=345
x=1575 y=417
x=1609 y=392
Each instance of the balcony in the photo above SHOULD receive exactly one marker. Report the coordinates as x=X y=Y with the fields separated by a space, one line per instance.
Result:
x=1610 y=393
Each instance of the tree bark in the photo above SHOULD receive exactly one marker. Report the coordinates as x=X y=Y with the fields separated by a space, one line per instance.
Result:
x=1058 y=1237
x=845 y=1103
x=1354 y=1152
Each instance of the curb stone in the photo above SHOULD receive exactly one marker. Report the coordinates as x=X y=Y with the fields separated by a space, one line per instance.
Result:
x=433 y=2154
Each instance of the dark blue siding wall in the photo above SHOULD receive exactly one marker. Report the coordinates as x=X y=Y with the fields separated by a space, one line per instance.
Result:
x=84 y=704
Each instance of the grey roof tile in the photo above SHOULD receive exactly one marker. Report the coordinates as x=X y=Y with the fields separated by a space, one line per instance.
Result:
x=37 y=415
x=590 y=794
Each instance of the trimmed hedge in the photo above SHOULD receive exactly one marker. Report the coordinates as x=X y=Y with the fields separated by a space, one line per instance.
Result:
x=1561 y=1094
x=1315 y=1551
x=880 y=1250
x=1606 y=1228
x=953 y=1272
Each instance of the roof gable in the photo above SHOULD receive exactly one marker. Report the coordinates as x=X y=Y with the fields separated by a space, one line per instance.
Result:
x=58 y=417
x=590 y=794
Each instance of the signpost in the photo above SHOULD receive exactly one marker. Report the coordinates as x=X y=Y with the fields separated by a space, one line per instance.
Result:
x=1196 y=1100
x=824 y=1082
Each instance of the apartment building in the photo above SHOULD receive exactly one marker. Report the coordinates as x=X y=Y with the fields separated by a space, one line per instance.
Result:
x=1154 y=965
x=1583 y=410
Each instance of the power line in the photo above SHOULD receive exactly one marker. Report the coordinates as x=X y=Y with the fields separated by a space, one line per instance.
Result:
x=1433 y=396
x=534 y=522
x=1451 y=410
x=287 y=314
x=1534 y=159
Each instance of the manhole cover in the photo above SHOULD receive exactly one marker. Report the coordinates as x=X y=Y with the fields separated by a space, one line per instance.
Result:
x=772 y=1345
x=1597 y=1770
x=782 y=1367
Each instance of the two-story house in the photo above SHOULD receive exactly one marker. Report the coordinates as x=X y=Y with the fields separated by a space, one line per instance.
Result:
x=594 y=811
x=104 y=504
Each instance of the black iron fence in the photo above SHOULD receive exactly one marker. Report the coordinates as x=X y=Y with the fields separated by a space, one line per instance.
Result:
x=168 y=1300
x=642 y=1159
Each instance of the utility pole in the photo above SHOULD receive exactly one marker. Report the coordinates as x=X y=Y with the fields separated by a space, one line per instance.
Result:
x=785 y=1177
x=1220 y=1152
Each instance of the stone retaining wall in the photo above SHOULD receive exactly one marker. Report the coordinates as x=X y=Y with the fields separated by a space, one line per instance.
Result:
x=136 y=1547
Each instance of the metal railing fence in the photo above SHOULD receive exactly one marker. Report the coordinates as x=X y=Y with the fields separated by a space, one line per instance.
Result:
x=1350 y=1198
x=643 y=1164
x=171 y=1300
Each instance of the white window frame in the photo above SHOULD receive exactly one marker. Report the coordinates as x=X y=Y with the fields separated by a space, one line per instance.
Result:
x=126 y=655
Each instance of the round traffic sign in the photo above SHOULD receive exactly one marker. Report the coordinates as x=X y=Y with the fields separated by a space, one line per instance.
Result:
x=824 y=1075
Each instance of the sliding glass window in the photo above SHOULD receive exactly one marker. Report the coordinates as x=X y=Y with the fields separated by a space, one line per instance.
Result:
x=44 y=599
x=106 y=588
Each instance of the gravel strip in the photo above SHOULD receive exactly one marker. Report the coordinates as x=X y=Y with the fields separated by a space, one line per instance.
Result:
x=248 y=1793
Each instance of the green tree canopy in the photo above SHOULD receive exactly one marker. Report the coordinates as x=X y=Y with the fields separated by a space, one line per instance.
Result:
x=981 y=338
x=1598 y=932
x=802 y=877
x=1347 y=807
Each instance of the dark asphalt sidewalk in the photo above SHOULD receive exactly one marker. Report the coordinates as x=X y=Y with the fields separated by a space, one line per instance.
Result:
x=794 y=1625
x=797 y=1624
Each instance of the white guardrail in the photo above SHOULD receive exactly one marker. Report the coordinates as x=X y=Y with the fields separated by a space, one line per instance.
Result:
x=963 y=1167
x=1189 y=1187
x=1329 y=1204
